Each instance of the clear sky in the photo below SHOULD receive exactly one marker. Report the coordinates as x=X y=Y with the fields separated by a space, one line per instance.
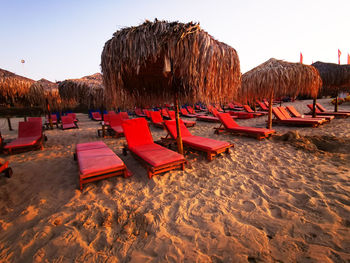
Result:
x=64 y=39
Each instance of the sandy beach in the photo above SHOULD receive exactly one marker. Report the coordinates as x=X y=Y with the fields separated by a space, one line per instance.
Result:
x=283 y=199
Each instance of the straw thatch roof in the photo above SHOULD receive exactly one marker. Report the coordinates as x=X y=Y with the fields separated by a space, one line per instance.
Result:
x=156 y=61
x=44 y=89
x=280 y=78
x=87 y=91
x=13 y=88
x=334 y=77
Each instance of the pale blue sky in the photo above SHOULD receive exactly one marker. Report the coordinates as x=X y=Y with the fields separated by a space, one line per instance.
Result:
x=64 y=39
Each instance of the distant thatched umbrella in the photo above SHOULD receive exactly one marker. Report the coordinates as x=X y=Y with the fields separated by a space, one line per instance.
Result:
x=277 y=78
x=88 y=91
x=159 y=62
x=335 y=78
x=13 y=88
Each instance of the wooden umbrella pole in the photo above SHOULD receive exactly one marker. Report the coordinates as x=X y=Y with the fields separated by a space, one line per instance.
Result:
x=49 y=113
x=177 y=117
x=9 y=123
x=269 y=120
x=314 y=108
x=336 y=104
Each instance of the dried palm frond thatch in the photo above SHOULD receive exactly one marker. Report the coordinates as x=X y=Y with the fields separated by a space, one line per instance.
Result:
x=156 y=61
x=43 y=90
x=13 y=88
x=334 y=77
x=87 y=91
x=277 y=78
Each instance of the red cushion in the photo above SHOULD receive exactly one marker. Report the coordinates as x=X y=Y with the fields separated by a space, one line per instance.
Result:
x=155 y=154
x=227 y=120
x=156 y=117
x=97 y=160
x=206 y=118
x=22 y=142
x=67 y=120
x=29 y=129
x=115 y=120
x=171 y=126
x=171 y=114
x=90 y=146
x=117 y=129
x=124 y=115
x=252 y=130
x=205 y=143
x=137 y=132
x=39 y=119
x=188 y=123
x=68 y=125
x=96 y=116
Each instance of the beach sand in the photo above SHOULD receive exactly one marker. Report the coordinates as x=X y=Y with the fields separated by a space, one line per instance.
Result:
x=284 y=199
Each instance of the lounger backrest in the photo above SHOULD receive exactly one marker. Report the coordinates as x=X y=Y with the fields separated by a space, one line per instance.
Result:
x=67 y=120
x=293 y=111
x=262 y=105
x=231 y=106
x=184 y=111
x=111 y=112
x=137 y=132
x=321 y=108
x=29 y=129
x=115 y=120
x=147 y=113
x=95 y=115
x=138 y=111
x=171 y=114
x=278 y=113
x=165 y=113
x=190 y=110
x=106 y=117
x=73 y=115
x=284 y=112
x=214 y=112
x=156 y=117
x=248 y=108
x=125 y=115
x=171 y=127
x=227 y=120
x=38 y=119
x=311 y=107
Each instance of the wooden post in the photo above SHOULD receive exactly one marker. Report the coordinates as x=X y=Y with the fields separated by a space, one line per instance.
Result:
x=314 y=108
x=177 y=118
x=25 y=118
x=9 y=123
x=269 y=120
x=336 y=104
x=49 y=113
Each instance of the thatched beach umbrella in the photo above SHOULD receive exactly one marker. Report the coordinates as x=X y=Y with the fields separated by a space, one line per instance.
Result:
x=87 y=91
x=160 y=62
x=277 y=78
x=335 y=78
x=13 y=88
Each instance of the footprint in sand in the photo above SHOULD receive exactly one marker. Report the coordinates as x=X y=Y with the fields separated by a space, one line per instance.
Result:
x=248 y=206
x=276 y=211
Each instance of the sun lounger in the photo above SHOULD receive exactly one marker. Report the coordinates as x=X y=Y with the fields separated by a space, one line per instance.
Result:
x=139 y=113
x=262 y=106
x=296 y=113
x=68 y=123
x=96 y=116
x=188 y=124
x=281 y=118
x=157 y=119
x=124 y=115
x=53 y=119
x=165 y=114
x=229 y=125
x=147 y=113
x=97 y=161
x=30 y=136
x=255 y=113
x=323 y=109
x=5 y=169
x=115 y=125
x=74 y=116
x=185 y=113
x=331 y=113
x=210 y=146
x=157 y=159
x=241 y=114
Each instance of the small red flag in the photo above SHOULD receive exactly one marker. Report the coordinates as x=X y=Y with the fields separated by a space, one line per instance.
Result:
x=339 y=54
x=348 y=59
x=301 y=58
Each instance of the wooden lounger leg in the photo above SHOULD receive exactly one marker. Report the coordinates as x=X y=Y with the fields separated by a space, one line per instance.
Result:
x=81 y=186
x=149 y=173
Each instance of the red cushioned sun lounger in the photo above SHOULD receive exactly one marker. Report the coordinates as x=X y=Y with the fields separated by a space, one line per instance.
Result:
x=96 y=116
x=29 y=137
x=74 y=116
x=115 y=124
x=323 y=109
x=97 y=161
x=53 y=119
x=297 y=114
x=68 y=123
x=157 y=119
x=229 y=125
x=157 y=159
x=279 y=118
x=210 y=146
x=188 y=124
x=335 y=114
x=255 y=113
x=185 y=113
